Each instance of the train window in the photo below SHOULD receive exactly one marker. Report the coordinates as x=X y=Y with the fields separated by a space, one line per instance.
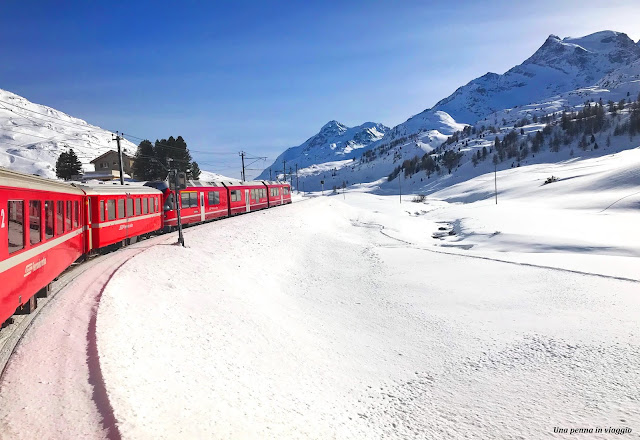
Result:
x=15 y=216
x=214 y=198
x=67 y=222
x=76 y=215
x=189 y=199
x=101 y=210
x=156 y=204
x=129 y=207
x=111 y=209
x=138 y=207
x=48 y=219
x=145 y=205
x=35 y=221
x=120 y=208
x=60 y=218
x=151 y=203
x=236 y=195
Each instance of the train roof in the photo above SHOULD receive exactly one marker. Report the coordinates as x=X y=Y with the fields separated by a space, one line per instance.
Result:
x=21 y=180
x=116 y=189
x=233 y=182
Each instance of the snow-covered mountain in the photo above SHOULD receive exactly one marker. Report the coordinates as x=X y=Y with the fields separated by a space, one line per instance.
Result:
x=32 y=136
x=561 y=74
x=558 y=66
x=334 y=142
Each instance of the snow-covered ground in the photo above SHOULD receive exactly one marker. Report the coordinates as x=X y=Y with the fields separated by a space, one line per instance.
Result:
x=355 y=316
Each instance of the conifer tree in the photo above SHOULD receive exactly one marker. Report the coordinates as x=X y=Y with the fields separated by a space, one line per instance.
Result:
x=144 y=167
x=68 y=165
x=194 y=172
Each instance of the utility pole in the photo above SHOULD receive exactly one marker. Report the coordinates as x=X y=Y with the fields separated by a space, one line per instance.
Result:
x=284 y=170
x=297 y=182
x=270 y=177
x=495 y=180
x=400 y=183
x=291 y=175
x=173 y=175
x=118 y=139
x=242 y=156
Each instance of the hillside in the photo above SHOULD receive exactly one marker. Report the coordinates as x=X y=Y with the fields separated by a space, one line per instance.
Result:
x=32 y=136
x=558 y=66
x=561 y=75
x=334 y=141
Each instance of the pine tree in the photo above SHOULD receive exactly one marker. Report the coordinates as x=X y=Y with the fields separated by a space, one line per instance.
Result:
x=68 y=165
x=144 y=167
x=194 y=172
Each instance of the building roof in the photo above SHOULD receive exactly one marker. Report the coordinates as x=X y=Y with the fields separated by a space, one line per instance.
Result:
x=107 y=153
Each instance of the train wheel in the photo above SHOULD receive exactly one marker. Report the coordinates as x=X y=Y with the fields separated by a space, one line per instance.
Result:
x=44 y=292
x=29 y=307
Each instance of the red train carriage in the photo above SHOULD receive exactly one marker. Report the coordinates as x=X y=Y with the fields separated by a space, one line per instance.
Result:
x=41 y=234
x=199 y=202
x=279 y=193
x=203 y=201
x=246 y=196
x=120 y=214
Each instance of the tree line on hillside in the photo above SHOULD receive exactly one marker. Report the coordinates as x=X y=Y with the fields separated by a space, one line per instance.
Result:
x=560 y=129
x=152 y=161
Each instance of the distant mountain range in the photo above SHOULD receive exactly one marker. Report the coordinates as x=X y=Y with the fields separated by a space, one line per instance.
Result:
x=561 y=74
x=560 y=67
x=334 y=141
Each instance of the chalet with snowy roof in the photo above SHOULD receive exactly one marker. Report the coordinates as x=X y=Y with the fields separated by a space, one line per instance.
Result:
x=108 y=162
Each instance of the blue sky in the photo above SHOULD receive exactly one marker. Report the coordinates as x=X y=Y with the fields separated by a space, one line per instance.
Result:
x=263 y=76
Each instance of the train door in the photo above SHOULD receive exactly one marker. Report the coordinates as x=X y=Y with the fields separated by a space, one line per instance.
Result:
x=246 y=197
x=88 y=231
x=281 y=190
x=201 y=206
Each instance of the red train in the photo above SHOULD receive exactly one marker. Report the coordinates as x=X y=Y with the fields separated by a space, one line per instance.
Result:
x=203 y=201
x=47 y=225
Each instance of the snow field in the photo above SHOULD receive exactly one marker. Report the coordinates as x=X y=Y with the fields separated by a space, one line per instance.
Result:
x=307 y=321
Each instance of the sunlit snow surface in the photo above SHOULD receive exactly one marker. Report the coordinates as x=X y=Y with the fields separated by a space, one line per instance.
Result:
x=355 y=316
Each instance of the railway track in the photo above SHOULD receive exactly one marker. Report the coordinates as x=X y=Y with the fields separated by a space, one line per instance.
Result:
x=11 y=335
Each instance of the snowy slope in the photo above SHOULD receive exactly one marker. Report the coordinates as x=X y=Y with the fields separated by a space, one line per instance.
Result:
x=334 y=141
x=561 y=75
x=560 y=65
x=381 y=157
x=32 y=136
x=375 y=323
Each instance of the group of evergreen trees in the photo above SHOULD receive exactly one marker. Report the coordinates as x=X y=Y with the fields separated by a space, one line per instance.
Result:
x=560 y=129
x=152 y=161
x=68 y=165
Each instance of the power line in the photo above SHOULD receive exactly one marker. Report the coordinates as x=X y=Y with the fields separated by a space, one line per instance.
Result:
x=85 y=125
